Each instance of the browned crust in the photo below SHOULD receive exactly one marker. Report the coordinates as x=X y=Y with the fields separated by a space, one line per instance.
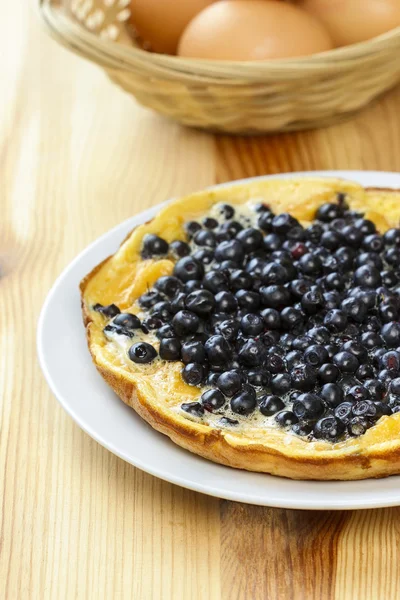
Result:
x=217 y=446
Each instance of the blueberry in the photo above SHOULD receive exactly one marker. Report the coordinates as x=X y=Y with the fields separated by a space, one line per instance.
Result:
x=218 y=350
x=308 y=406
x=191 y=227
x=168 y=285
x=259 y=377
x=390 y=360
x=332 y=394
x=151 y=323
x=312 y=302
x=346 y=257
x=357 y=426
x=328 y=373
x=192 y=286
x=248 y=300
x=353 y=236
x=185 y=322
x=109 y=311
x=335 y=320
x=331 y=240
x=355 y=309
x=170 y=349
x=232 y=228
x=291 y=318
x=229 y=329
x=388 y=312
x=240 y=280
x=272 y=241
x=373 y=243
x=275 y=272
x=200 y=302
x=395 y=385
x=127 y=321
x=328 y=212
x=148 y=299
x=281 y=383
x=188 y=268
x=283 y=223
x=310 y=264
x=178 y=303
x=226 y=210
x=265 y=220
x=205 y=238
x=275 y=363
x=392 y=237
x=346 y=362
x=390 y=334
x=382 y=409
x=193 y=374
x=365 y=372
x=229 y=382
x=142 y=353
x=153 y=245
x=328 y=428
x=316 y=355
x=365 y=226
x=212 y=400
x=244 y=402
x=193 y=408
x=285 y=418
x=320 y=335
x=357 y=349
x=314 y=233
x=226 y=302
x=252 y=353
x=252 y=324
x=286 y=340
x=205 y=256
x=166 y=331
x=270 y=405
x=161 y=310
x=275 y=296
x=193 y=352
x=371 y=340
x=230 y=250
x=250 y=238
x=271 y=318
x=301 y=342
x=344 y=412
x=179 y=249
x=364 y=408
x=212 y=378
x=302 y=429
x=209 y=223
x=367 y=276
x=215 y=281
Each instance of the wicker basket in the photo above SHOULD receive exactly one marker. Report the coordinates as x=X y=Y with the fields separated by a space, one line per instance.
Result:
x=232 y=97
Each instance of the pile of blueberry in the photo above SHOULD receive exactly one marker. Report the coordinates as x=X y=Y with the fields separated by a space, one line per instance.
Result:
x=300 y=324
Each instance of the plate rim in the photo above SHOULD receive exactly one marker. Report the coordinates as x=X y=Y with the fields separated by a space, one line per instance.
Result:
x=299 y=504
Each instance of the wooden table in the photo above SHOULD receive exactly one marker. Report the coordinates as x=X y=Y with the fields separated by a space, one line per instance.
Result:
x=79 y=156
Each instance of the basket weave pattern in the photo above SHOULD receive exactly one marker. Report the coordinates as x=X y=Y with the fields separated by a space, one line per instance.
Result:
x=232 y=97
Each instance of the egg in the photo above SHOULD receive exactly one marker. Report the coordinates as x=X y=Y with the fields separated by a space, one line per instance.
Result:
x=351 y=21
x=253 y=30
x=159 y=23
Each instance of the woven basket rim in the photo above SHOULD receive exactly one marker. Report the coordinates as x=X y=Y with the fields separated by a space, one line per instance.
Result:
x=131 y=56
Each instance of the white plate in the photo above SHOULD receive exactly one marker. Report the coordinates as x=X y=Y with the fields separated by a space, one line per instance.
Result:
x=68 y=368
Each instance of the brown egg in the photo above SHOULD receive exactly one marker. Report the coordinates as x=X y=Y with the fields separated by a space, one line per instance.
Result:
x=160 y=23
x=253 y=30
x=351 y=21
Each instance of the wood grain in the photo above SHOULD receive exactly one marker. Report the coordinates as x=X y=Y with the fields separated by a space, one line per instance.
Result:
x=77 y=156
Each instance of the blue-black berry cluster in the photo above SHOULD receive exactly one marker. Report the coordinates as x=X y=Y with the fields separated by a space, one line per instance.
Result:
x=300 y=324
